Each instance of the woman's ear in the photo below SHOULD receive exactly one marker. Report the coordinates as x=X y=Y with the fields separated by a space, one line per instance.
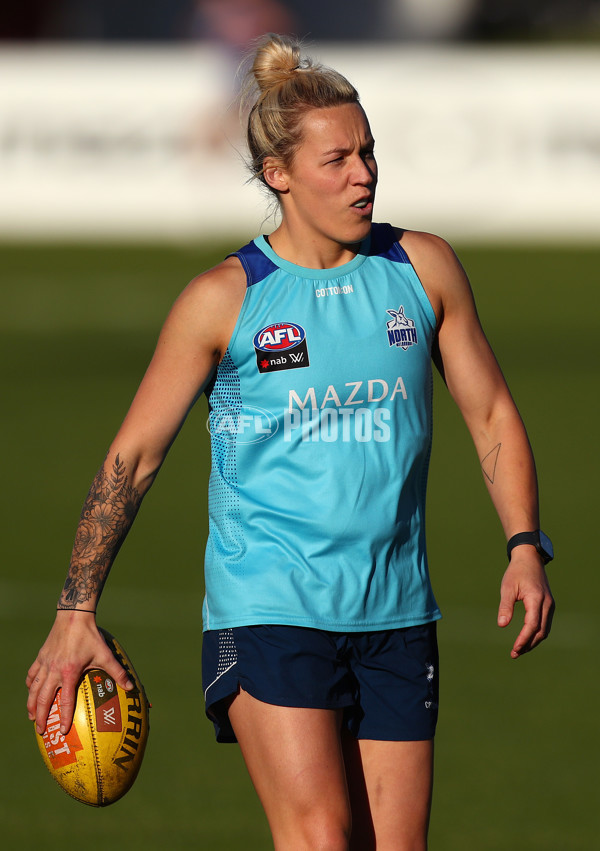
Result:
x=275 y=175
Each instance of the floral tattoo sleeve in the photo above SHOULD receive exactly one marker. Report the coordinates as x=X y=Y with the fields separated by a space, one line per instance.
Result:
x=107 y=515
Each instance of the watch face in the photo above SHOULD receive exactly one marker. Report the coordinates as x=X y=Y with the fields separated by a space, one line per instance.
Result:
x=546 y=544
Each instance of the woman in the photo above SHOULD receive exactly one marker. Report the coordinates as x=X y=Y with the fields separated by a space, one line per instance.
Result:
x=314 y=347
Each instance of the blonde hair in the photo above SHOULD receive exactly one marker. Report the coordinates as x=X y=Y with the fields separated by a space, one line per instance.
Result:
x=280 y=86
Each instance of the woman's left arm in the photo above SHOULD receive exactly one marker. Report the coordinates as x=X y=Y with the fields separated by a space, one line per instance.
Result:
x=473 y=377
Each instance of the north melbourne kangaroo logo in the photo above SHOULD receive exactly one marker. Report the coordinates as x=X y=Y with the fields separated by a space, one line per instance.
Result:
x=401 y=330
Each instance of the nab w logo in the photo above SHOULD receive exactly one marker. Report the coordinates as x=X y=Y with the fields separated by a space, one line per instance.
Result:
x=109 y=717
x=297 y=358
x=401 y=330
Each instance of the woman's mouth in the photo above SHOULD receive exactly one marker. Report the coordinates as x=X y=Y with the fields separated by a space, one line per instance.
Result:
x=364 y=206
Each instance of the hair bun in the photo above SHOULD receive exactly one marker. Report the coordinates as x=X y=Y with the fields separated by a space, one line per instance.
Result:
x=276 y=59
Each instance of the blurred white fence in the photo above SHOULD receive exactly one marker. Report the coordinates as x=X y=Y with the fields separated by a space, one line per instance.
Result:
x=140 y=143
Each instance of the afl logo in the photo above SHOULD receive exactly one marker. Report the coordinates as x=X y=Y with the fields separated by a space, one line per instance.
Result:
x=281 y=345
x=279 y=337
x=248 y=424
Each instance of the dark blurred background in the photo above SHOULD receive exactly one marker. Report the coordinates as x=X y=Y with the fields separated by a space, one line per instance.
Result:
x=344 y=20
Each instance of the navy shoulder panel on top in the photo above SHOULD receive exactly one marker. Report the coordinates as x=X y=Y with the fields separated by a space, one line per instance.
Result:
x=256 y=264
x=384 y=243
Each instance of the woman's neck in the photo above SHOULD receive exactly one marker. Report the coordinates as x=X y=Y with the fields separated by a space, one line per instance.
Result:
x=313 y=252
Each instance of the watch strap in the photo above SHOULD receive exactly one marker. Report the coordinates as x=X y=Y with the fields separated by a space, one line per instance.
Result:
x=532 y=538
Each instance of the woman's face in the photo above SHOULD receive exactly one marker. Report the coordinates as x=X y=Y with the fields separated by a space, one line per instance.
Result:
x=330 y=184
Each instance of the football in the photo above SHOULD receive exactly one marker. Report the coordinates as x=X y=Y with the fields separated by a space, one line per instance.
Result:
x=97 y=761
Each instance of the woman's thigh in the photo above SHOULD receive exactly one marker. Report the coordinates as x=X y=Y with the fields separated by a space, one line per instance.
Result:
x=390 y=786
x=295 y=760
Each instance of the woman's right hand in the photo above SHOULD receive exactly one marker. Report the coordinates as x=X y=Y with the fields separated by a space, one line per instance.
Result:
x=74 y=645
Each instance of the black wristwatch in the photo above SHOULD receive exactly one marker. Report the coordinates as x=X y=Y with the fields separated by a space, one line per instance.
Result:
x=537 y=539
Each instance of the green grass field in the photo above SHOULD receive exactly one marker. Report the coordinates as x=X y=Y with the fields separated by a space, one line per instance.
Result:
x=517 y=750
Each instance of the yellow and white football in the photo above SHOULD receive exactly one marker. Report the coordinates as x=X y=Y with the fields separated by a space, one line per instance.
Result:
x=97 y=761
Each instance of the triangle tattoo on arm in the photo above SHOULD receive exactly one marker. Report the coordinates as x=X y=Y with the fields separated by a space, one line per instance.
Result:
x=488 y=465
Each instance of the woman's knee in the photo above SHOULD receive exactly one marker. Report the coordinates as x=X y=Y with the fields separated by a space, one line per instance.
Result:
x=323 y=831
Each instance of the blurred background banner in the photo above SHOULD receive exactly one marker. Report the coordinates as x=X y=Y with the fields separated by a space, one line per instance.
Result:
x=119 y=119
x=144 y=142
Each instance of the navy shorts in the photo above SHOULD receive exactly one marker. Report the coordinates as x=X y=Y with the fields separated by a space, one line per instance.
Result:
x=386 y=682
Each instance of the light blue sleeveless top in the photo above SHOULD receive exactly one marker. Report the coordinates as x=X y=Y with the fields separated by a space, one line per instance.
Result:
x=320 y=418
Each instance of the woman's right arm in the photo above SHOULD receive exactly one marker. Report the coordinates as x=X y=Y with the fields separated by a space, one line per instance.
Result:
x=192 y=341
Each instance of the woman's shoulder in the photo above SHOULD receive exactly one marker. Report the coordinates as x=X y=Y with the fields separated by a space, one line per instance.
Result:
x=208 y=307
x=429 y=253
x=218 y=288
x=436 y=265
x=225 y=276
x=426 y=247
